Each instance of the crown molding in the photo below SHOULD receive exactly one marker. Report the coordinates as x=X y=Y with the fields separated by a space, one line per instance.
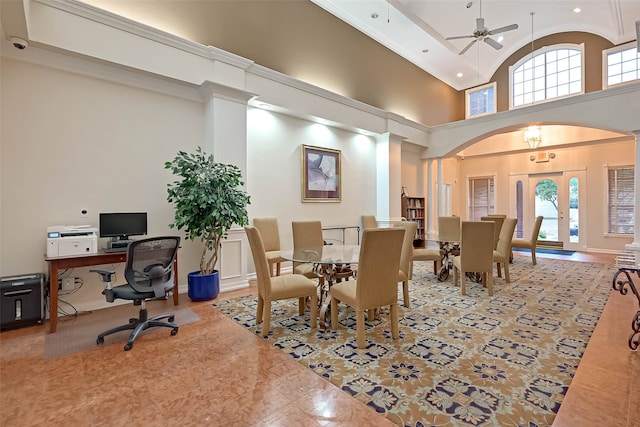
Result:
x=121 y=23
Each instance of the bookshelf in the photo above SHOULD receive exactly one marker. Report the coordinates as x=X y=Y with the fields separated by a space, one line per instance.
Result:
x=413 y=210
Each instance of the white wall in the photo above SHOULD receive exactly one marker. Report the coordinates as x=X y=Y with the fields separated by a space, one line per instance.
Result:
x=72 y=142
x=592 y=159
x=274 y=172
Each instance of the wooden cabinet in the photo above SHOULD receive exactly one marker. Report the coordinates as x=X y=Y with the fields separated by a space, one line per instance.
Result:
x=413 y=210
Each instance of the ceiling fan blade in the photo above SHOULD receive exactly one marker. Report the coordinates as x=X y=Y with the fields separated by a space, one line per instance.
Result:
x=467 y=47
x=491 y=42
x=504 y=29
x=458 y=37
x=479 y=25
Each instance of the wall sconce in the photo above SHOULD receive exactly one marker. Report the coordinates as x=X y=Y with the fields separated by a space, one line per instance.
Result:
x=532 y=136
x=542 y=156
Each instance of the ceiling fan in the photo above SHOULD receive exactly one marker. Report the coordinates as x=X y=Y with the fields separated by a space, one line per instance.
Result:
x=482 y=33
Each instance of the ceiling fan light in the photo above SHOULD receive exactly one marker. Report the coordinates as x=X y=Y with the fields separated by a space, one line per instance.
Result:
x=533 y=136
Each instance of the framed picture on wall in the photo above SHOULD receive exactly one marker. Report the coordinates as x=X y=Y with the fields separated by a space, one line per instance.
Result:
x=321 y=174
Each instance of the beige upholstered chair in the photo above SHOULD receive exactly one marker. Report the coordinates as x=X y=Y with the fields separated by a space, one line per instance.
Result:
x=280 y=287
x=377 y=282
x=369 y=221
x=306 y=235
x=476 y=254
x=449 y=228
x=531 y=243
x=499 y=220
x=406 y=258
x=268 y=228
x=428 y=254
x=502 y=253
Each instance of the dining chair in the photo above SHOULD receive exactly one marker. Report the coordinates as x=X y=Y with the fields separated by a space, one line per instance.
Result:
x=449 y=228
x=307 y=235
x=476 y=254
x=279 y=287
x=406 y=258
x=449 y=240
x=502 y=253
x=428 y=254
x=532 y=243
x=369 y=221
x=268 y=228
x=376 y=284
x=499 y=220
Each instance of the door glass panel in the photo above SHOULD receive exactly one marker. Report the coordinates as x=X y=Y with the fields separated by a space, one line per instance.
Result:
x=546 y=204
x=519 y=209
x=574 y=211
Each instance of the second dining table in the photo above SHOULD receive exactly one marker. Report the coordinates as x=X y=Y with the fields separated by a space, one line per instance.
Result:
x=332 y=262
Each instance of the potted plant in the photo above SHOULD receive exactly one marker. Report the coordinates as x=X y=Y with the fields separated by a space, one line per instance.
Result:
x=208 y=201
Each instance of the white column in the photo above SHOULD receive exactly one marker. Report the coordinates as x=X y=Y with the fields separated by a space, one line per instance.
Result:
x=389 y=177
x=440 y=188
x=225 y=134
x=431 y=229
x=226 y=124
x=635 y=246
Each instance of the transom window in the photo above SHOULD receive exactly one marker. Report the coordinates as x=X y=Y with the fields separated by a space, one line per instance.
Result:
x=480 y=100
x=621 y=65
x=550 y=72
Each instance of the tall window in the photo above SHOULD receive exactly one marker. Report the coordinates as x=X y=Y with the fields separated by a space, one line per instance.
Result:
x=621 y=199
x=481 y=100
x=550 y=72
x=480 y=197
x=622 y=64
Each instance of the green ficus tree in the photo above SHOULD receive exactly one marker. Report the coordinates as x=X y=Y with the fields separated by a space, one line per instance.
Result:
x=209 y=199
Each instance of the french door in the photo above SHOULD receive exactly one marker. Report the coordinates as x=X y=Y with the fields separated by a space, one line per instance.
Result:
x=559 y=198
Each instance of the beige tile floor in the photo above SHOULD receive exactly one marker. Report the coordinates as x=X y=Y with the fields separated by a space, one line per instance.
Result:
x=214 y=373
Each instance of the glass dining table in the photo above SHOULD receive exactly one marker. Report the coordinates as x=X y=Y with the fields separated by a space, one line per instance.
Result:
x=333 y=263
x=449 y=250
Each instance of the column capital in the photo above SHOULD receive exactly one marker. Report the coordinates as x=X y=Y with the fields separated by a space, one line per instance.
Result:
x=210 y=90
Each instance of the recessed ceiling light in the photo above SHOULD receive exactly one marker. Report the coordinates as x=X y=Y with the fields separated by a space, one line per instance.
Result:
x=459 y=74
x=577 y=10
x=374 y=15
x=500 y=39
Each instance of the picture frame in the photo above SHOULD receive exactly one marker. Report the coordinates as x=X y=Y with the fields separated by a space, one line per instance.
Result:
x=321 y=174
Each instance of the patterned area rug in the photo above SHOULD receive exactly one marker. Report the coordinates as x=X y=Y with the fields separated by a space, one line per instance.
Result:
x=460 y=361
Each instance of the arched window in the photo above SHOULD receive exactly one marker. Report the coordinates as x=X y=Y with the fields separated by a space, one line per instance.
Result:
x=548 y=73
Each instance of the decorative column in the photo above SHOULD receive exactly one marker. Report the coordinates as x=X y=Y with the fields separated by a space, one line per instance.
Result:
x=430 y=227
x=388 y=177
x=440 y=187
x=225 y=136
x=635 y=246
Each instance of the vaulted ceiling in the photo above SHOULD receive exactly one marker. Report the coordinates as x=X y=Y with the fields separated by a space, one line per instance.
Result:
x=418 y=29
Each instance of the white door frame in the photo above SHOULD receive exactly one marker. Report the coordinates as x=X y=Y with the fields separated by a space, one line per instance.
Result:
x=528 y=206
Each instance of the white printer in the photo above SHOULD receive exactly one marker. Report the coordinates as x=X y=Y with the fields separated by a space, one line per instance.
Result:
x=64 y=240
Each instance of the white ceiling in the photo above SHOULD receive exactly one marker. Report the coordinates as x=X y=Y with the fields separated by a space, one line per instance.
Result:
x=409 y=27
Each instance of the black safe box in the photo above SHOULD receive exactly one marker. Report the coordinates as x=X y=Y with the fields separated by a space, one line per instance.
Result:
x=21 y=300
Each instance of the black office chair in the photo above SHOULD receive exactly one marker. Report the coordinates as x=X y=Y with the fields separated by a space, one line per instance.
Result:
x=149 y=274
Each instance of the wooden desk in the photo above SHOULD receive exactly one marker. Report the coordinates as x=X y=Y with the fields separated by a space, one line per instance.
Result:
x=88 y=260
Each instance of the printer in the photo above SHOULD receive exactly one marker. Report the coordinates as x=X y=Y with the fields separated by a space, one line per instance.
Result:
x=64 y=240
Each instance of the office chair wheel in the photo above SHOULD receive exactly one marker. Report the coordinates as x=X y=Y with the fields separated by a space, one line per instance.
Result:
x=174 y=331
x=100 y=340
x=128 y=346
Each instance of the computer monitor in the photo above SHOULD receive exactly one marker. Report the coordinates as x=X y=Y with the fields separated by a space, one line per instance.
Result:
x=119 y=226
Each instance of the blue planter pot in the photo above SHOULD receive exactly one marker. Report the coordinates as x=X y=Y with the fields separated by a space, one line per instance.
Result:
x=203 y=287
